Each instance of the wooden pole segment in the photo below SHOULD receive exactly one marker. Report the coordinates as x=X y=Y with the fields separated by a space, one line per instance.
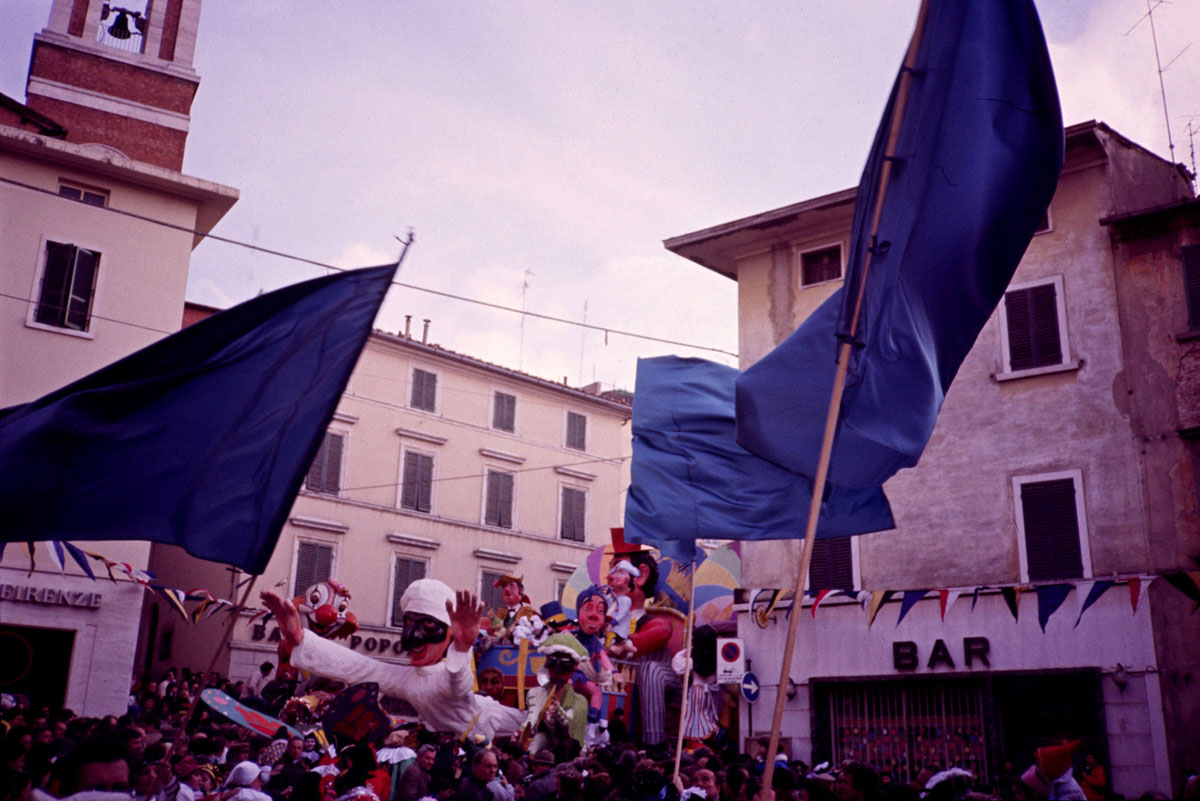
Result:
x=835 y=405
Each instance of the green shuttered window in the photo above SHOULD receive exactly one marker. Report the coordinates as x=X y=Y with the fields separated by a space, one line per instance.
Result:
x=416 y=490
x=325 y=473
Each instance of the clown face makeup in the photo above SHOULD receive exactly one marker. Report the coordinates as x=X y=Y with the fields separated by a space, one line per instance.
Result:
x=593 y=614
x=425 y=639
x=510 y=594
x=620 y=581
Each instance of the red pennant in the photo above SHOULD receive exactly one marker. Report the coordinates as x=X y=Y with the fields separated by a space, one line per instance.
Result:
x=817 y=601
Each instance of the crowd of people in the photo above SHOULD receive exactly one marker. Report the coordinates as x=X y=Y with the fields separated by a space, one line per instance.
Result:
x=153 y=753
x=470 y=739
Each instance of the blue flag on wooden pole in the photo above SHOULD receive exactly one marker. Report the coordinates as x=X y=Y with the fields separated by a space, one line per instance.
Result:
x=200 y=440
x=979 y=153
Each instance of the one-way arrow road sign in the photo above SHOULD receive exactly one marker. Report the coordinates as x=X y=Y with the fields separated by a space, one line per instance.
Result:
x=750 y=687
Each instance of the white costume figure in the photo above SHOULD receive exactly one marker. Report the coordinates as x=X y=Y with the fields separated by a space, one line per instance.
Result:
x=440 y=690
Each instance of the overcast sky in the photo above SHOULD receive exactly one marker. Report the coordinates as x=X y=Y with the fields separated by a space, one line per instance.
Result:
x=557 y=144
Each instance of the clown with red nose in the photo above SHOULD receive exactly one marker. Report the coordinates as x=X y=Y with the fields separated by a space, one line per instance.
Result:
x=439 y=628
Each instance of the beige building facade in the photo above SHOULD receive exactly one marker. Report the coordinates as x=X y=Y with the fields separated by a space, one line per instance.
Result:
x=98 y=234
x=1063 y=455
x=436 y=465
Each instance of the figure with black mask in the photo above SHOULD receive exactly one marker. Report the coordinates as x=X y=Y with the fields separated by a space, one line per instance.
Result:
x=437 y=623
x=557 y=714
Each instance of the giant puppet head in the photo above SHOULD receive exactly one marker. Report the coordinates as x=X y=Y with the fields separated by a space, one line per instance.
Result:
x=325 y=606
x=512 y=591
x=592 y=610
x=426 y=628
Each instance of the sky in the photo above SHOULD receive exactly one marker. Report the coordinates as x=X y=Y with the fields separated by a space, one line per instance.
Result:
x=541 y=151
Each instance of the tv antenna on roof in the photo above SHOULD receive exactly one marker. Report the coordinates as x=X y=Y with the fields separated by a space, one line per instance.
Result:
x=1149 y=15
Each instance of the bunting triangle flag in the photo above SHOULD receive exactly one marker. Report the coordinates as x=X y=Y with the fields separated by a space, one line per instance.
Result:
x=878 y=599
x=910 y=599
x=820 y=596
x=975 y=597
x=57 y=555
x=1012 y=596
x=1088 y=593
x=174 y=600
x=1142 y=583
x=1050 y=598
x=80 y=559
x=946 y=600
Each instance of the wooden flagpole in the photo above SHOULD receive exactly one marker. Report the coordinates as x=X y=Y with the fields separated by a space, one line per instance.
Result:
x=687 y=669
x=835 y=404
x=212 y=665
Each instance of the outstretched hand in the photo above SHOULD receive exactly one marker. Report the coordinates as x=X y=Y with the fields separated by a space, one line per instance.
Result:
x=464 y=619
x=286 y=614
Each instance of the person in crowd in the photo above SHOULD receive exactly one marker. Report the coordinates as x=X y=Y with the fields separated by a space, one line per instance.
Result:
x=244 y=783
x=474 y=787
x=1092 y=779
x=97 y=763
x=360 y=769
x=202 y=780
x=288 y=769
x=856 y=782
x=253 y=686
x=541 y=783
x=414 y=782
x=1050 y=775
x=491 y=683
x=436 y=623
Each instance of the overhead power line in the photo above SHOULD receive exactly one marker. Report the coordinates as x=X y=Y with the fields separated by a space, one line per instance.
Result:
x=324 y=265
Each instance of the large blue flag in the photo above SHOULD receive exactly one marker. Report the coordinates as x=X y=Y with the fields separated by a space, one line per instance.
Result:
x=979 y=153
x=691 y=480
x=200 y=440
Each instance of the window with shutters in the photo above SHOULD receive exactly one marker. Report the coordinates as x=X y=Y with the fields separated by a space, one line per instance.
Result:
x=67 y=288
x=498 y=499
x=424 y=390
x=489 y=594
x=416 y=482
x=314 y=562
x=573 y=523
x=405 y=572
x=504 y=412
x=576 y=431
x=832 y=566
x=819 y=266
x=325 y=473
x=1190 y=256
x=1033 y=327
x=1052 y=526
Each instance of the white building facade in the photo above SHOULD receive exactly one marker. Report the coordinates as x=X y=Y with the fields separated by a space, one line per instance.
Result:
x=436 y=465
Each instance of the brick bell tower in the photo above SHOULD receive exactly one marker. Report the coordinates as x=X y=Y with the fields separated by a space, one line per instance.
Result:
x=119 y=74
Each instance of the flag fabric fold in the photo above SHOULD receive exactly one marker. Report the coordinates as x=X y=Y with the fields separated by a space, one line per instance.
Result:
x=200 y=440
x=978 y=156
x=691 y=480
